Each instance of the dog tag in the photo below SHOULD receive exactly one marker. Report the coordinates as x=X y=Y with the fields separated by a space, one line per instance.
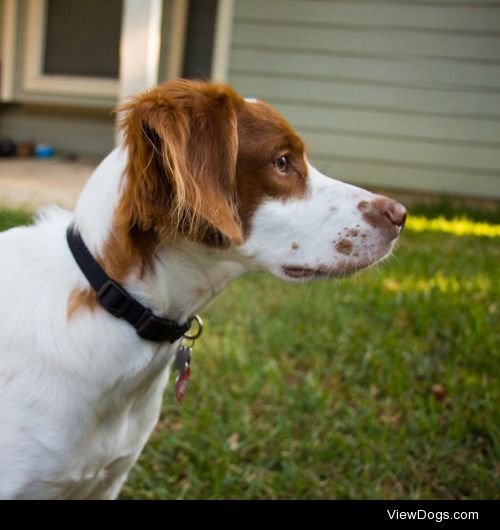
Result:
x=181 y=384
x=182 y=360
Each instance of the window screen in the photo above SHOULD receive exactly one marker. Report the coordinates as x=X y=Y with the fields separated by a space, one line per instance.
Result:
x=83 y=38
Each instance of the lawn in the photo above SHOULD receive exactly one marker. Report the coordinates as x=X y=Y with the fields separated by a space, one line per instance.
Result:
x=385 y=385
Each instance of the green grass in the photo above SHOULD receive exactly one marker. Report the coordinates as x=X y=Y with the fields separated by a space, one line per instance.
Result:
x=10 y=218
x=381 y=386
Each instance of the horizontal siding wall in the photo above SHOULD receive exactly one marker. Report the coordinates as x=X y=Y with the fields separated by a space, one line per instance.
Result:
x=87 y=133
x=402 y=94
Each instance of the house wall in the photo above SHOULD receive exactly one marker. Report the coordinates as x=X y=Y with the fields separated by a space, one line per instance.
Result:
x=401 y=94
x=388 y=93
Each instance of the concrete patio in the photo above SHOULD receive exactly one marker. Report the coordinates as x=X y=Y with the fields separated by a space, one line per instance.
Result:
x=32 y=183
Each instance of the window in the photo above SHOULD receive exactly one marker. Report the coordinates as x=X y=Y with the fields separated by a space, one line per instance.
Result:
x=83 y=38
x=72 y=47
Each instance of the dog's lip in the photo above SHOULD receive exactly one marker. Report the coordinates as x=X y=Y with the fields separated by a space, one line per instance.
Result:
x=339 y=270
x=295 y=271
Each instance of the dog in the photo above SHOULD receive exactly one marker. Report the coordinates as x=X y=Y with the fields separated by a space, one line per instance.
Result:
x=206 y=186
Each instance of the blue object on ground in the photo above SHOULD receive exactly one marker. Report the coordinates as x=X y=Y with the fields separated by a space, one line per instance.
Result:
x=44 y=151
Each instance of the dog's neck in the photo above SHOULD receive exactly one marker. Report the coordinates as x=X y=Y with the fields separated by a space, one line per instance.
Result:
x=184 y=276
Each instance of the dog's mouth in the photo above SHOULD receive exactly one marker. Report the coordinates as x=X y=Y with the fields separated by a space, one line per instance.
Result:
x=341 y=269
x=307 y=273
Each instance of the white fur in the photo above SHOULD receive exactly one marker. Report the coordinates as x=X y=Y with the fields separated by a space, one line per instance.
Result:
x=80 y=397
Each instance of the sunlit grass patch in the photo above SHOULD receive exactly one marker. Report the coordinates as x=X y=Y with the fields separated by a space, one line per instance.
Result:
x=458 y=226
x=439 y=282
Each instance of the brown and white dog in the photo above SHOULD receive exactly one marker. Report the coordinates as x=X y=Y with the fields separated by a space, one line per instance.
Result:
x=206 y=187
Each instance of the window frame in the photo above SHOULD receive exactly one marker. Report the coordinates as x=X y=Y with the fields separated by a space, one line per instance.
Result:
x=36 y=81
x=8 y=27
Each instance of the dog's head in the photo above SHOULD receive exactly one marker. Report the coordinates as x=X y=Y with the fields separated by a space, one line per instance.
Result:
x=207 y=165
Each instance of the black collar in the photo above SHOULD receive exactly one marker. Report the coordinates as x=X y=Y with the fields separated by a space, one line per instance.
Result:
x=115 y=299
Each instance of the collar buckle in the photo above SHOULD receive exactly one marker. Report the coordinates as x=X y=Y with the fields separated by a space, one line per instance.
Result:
x=114 y=298
x=158 y=329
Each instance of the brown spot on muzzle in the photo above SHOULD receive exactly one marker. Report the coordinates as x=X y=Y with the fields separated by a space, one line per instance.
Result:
x=344 y=246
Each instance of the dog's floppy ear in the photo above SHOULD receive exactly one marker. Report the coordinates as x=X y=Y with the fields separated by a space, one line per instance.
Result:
x=182 y=146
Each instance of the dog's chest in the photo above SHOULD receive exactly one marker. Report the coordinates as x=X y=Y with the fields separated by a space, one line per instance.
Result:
x=125 y=416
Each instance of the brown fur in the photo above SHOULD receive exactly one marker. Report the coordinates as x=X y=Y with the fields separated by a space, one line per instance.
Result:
x=264 y=135
x=182 y=143
x=79 y=299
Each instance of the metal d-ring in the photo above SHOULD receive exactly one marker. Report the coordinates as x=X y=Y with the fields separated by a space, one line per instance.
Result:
x=199 y=331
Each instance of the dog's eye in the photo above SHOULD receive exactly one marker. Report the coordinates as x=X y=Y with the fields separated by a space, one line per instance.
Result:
x=281 y=164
